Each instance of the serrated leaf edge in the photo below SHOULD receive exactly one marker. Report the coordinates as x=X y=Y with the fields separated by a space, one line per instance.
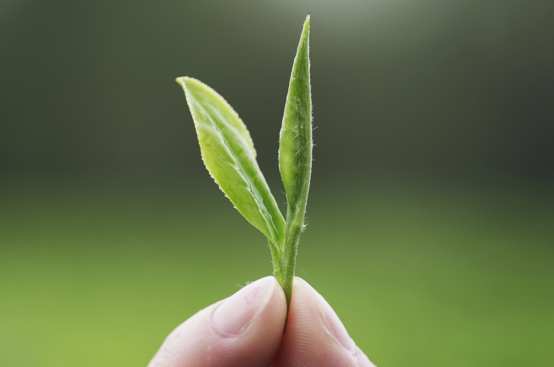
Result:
x=274 y=245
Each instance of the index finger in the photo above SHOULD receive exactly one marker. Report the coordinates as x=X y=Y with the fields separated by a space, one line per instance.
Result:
x=315 y=336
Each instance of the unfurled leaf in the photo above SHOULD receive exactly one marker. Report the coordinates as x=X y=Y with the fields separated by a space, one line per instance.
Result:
x=229 y=155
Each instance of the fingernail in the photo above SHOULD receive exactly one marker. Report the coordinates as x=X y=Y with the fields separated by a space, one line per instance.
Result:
x=237 y=312
x=335 y=326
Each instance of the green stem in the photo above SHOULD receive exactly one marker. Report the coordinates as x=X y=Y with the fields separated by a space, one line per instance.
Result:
x=288 y=263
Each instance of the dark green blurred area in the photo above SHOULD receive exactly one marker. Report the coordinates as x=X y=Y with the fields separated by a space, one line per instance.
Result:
x=431 y=215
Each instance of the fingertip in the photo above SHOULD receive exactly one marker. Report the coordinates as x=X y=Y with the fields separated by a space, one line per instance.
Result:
x=242 y=330
x=315 y=336
x=233 y=316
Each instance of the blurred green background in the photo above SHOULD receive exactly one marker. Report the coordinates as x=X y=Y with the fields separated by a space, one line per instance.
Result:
x=432 y=205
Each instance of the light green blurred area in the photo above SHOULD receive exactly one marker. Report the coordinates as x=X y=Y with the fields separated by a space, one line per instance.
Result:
x=422 y=273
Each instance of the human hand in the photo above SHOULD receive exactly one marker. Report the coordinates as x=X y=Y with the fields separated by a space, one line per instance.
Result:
x=246 y=330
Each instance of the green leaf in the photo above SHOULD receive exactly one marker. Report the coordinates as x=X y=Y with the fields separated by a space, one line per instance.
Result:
x=295 y=155
x=229 y=156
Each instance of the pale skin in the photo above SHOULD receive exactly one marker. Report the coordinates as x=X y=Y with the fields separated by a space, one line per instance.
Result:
x=246 y=330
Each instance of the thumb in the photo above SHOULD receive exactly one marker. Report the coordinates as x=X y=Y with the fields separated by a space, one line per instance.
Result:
x=242 y=330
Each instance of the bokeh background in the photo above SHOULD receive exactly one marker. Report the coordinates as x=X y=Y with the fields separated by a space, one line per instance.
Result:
x=432 y=206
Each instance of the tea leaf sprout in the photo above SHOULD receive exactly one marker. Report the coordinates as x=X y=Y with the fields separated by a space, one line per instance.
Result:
x=229 y=155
